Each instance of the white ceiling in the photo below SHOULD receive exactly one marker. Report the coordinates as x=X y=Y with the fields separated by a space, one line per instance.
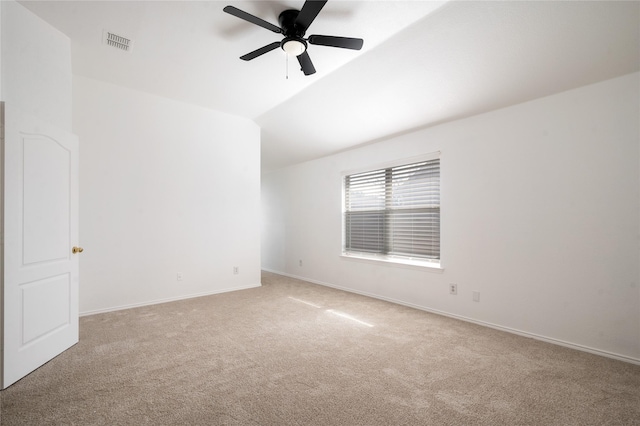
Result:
x=423 y=62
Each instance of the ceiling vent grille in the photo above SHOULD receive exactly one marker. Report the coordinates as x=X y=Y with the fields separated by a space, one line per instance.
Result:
x=117 y=41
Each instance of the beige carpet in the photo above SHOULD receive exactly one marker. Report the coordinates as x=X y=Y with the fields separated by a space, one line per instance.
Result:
x=293 y=353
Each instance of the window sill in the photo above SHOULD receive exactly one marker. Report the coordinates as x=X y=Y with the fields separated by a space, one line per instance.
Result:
x=410 y=263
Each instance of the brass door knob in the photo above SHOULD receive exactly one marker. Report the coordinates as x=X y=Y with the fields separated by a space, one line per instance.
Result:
x=75 y=250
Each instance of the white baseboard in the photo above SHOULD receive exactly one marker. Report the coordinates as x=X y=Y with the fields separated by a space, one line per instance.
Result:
x=170 y=299
x=566 y=344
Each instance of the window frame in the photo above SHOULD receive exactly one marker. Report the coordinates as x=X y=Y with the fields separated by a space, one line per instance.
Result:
x=404 y=261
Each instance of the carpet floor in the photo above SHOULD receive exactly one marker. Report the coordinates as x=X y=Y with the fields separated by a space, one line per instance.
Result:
x=294 y=353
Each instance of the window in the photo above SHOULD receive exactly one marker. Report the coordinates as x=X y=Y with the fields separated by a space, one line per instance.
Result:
x=394 y=213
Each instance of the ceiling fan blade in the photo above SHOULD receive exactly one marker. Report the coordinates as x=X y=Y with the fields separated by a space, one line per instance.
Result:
x=250 y=18
x=308 y=13
x=268 y=48
x=333 y=41
x=306 y=64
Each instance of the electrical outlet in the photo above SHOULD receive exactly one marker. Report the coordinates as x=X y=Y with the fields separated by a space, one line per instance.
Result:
x=179 y=276
x=300 y=262
x=236 y=270
x=476 y=296
x=453 y=288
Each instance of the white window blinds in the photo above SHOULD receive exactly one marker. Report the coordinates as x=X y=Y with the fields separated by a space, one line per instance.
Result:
x=394 y=212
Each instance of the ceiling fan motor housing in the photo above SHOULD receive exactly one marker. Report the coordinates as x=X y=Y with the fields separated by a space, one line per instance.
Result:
x=293 y=43
x=287 y=21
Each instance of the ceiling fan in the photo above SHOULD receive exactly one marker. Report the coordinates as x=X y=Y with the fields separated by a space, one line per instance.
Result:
x=294 y=25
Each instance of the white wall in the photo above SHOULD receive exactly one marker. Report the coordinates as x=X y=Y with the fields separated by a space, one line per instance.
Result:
x=36 y=66
x=540 y=214
x=165 y=187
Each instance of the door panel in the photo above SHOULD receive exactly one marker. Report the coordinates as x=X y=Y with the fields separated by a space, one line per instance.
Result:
x=40 y=286
x=45 y=306
x=46 y=200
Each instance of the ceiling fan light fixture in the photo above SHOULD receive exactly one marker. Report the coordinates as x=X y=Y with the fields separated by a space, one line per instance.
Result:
x=294 y=46
x=293 y=26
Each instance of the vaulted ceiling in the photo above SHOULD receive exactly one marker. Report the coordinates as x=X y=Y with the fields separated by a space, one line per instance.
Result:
x=423 y=62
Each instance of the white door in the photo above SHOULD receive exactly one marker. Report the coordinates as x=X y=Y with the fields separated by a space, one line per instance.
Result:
x=40 y=285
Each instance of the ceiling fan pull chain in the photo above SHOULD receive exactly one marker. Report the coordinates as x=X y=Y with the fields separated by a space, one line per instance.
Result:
x=287 y=62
